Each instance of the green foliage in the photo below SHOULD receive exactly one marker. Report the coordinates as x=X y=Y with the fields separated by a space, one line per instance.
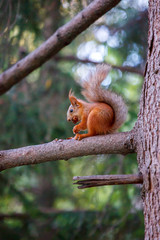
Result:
x=34 y=112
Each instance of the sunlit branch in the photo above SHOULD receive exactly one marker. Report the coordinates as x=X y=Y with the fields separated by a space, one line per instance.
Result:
x=118 y=143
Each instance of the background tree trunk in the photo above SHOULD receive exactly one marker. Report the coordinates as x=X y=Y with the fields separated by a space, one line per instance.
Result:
x=148 y=127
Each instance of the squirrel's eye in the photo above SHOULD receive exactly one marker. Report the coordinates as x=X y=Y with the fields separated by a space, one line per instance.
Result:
x=71 y=110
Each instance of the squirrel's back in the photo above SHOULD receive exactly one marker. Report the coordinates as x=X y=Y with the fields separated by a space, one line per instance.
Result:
x=93 y=92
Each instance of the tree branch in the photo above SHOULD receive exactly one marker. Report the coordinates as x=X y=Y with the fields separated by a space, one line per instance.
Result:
x=121 y=143
x=122 y=68
x=102 y=180
x=61 y=38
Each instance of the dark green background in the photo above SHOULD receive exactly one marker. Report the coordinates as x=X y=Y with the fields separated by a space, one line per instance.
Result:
x=40 y=202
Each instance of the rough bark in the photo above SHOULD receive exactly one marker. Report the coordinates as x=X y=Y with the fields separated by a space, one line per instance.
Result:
x=121 y=143
x=61 y=38
x=148 y=128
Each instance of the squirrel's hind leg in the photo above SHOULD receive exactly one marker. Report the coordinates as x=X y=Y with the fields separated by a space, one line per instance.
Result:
x=91 y=131
x=98 y=123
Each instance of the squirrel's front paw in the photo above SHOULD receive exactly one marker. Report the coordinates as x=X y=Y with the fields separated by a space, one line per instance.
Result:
x=78 y=137
x=75 y=130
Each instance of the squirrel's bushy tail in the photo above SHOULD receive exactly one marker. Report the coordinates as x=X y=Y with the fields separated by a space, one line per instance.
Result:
x=93 y=92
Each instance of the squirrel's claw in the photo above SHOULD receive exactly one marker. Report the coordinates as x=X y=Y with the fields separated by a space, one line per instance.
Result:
x=78 y=137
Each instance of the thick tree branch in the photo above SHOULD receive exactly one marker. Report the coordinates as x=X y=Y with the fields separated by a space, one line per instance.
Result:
x=61 y=38
x=121 y=143
x=122 y=68
x=103 y=180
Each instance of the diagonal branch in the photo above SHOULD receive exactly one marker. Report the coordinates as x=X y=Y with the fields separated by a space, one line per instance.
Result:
x=103 y=180
x=121 y=143
x=61 y=38
x=122 y=68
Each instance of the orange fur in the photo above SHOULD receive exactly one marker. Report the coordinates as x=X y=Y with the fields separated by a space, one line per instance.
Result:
x=100 y=116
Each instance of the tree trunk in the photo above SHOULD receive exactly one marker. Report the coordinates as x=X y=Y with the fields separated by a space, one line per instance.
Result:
x=148 y=128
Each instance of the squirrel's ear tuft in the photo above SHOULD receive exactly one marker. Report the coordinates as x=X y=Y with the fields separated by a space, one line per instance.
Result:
x=71 y=96
x=71 y=93
x=73 y=99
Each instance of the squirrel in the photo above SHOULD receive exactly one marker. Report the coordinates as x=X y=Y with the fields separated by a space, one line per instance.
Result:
x=104 y=112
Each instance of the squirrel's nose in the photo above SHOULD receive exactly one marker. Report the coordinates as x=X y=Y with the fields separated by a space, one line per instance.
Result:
x=68 y=119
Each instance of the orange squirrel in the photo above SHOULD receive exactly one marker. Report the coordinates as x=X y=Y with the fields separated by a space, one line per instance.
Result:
x=104 y=113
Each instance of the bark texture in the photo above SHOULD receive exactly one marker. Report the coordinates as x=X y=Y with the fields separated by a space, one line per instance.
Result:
x=61 y=38
x=148 y=128
x=121 y=143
